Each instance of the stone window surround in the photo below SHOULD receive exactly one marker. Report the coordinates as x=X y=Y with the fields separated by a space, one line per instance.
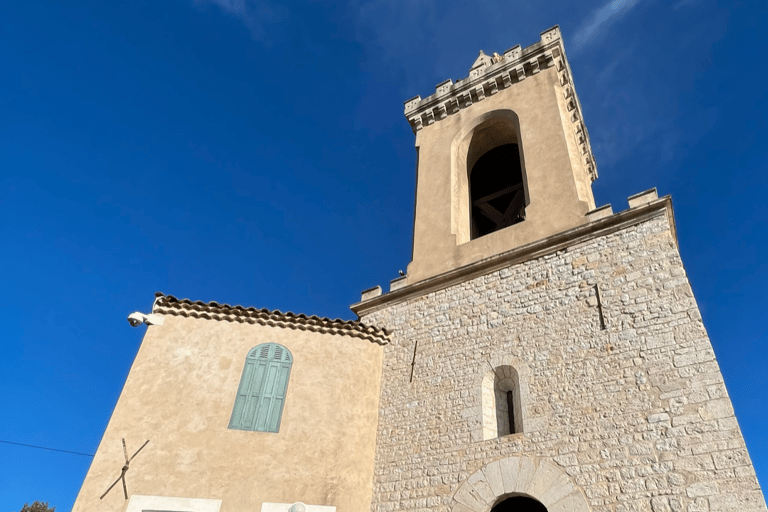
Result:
x=464 y=155
x=501 y=379
x=481 y=428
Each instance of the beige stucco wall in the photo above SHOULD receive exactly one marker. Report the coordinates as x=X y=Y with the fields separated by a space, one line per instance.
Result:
x=179 y=395
x=559 y=188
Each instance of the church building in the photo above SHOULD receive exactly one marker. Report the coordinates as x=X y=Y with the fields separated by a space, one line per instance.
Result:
x=541 y=354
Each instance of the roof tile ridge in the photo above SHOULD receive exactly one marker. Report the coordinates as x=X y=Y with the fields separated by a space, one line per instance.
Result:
x=212 y=310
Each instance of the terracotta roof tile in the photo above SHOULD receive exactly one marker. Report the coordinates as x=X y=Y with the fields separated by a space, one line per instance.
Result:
x=170 y=305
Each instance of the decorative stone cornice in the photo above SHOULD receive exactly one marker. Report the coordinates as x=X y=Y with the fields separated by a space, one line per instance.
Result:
x=491 y=74
x=643 y=207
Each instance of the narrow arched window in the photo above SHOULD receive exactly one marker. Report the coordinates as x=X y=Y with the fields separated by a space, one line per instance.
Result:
x=505 y=392
x=261 y=395
x=502 y=404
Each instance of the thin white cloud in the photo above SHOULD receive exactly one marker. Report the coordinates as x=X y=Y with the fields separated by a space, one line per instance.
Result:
x=600 y=20
x=257 y=16
x=607 y=73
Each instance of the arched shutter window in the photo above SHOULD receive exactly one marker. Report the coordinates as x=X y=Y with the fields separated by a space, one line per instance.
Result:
x=261 y=395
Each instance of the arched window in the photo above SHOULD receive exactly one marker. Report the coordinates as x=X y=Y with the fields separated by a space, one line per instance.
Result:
x=496 y=177
x=502 y=407
x=261 y=395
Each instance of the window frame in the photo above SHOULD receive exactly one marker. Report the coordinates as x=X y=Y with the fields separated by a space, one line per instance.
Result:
x=261 y=394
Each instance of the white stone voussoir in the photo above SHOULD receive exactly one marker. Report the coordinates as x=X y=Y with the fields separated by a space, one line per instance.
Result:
x=519 y=476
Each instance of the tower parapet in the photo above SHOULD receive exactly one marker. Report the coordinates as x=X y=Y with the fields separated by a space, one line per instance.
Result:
x=491 y=74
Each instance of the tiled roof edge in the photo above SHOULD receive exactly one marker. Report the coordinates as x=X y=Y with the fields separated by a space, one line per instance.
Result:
x=170 y=305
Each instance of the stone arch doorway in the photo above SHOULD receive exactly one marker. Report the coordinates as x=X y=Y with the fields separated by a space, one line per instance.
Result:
x=519 y=504
x=500 y=481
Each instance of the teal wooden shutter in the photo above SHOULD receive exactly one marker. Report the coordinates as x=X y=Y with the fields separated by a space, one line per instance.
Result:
x=261 y=394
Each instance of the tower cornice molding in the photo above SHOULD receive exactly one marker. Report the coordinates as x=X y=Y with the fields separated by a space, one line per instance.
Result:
x=490 y=75
x=601 y=226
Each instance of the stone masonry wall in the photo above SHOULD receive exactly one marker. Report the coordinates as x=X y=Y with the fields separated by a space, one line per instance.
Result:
x=636 y=413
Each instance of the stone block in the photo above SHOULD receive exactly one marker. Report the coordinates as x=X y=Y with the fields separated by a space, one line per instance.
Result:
x=573 y=502
x=536 y=424
x=510 y=468
x=370 y=293
x=600 y=213
x=716 y=409
x=730 y=459
x=542 y=479
x=493 y=477
x=660 y=504
x=554 y=486
x=723 y=501
x=397 y=283
x=468 y=496
x=658 y=417
x=642 y=198
x=478 y=481
x=701 y=489
x=525 y=475
x=460 y=507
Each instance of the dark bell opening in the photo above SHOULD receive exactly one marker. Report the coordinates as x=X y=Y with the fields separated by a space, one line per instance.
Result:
x=496 y=190
x=519 y=504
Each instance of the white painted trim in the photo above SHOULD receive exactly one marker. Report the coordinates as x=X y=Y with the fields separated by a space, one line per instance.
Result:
x=140 y=503
x=284 y=507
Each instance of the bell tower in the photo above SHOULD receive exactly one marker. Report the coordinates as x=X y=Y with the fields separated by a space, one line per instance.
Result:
x=544 y=355
x=503 y=158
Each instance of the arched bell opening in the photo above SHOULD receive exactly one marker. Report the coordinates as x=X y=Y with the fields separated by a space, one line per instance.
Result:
x=519 y=504
x=496 y=176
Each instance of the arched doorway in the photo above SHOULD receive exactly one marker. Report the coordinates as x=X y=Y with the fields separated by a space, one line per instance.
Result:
x=519 y=484
x=519 y=504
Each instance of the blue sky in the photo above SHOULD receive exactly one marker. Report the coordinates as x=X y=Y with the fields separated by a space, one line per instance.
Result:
x=256 y=153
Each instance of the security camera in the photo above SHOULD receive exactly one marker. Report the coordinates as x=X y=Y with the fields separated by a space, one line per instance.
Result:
x=136 y=319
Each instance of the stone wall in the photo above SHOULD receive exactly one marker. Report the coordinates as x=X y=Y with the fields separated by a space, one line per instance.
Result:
x=632 y=407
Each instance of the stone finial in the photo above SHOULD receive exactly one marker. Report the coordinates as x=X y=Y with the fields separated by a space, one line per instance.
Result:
x=513 y=53
x=482 y=60
x=443 y=87
x=412 y=103
x=551 y=34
